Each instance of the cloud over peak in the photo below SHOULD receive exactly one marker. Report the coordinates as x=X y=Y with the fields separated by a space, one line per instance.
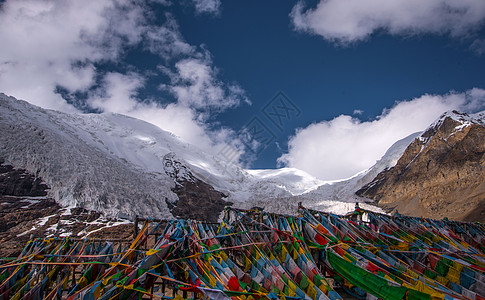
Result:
x=80 y=47
x=346 y=145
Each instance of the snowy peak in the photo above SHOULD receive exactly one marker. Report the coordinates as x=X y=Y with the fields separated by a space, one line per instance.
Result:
x=461 y=117
x=295 y=181
x=122 y=166
x=452 y=121
x=440 y=174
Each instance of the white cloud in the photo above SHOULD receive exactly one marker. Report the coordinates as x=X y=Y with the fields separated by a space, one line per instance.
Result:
x=207 y=6
x=358 y=112
x=346 y=21
x=58 y=43
x=167 y=41
x=342 y=147
x=55 y=43
x=118 y=94
x=195 y=85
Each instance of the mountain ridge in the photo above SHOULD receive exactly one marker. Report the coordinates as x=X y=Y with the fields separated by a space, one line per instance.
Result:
x=440 y=174
x=116 y=165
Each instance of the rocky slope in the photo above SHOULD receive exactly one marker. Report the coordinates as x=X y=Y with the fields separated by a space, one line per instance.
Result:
x=441 y=173
x=18 y=182
x=26 y=212
x=196 y=199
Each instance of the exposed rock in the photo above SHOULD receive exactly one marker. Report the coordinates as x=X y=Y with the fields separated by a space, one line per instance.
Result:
x=441 y=174
x=17 y=182
x=197 y=199
x=24 y=218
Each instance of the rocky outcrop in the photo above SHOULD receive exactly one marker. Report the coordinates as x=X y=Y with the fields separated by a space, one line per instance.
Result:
x=17 y=182
x=441 y=174
x=197 y=200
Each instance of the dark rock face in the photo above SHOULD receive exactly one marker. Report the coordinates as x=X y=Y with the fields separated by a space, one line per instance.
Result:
x=18 y=216
x=197 y=199
x=22 y=218
x=441 y=174
x=17 y=182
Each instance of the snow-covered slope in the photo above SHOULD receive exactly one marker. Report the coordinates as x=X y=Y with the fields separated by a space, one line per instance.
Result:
x=114 y=164
x=49 y=145
x=333 y=196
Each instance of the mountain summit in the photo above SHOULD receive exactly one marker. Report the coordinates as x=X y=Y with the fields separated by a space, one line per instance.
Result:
x=441 y=173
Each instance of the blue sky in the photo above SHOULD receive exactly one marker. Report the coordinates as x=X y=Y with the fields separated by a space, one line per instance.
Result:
x=361 y=77
x=325 y=80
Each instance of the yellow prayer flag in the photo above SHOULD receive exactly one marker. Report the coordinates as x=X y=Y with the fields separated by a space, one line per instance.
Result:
x=151 y=252
x=284 y=251
x=457 y=266
x=271 y=256
x=443 y=280
x=223 y=255
x=291 y=288
x=247 y=264
x=453 y=275
x=312 y=292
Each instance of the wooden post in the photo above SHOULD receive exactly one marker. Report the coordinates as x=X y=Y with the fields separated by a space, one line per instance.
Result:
x=73 y=275
x=152 y=287
x=135 y=232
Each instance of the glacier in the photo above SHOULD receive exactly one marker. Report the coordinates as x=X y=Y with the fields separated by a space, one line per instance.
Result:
x=113 y=164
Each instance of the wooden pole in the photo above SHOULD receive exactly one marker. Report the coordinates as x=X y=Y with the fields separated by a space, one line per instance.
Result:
x=135 y=232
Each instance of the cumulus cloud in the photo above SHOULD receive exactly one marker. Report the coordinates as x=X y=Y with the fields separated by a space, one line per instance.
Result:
x=344 y=146
x=121 y=89
x=347 y=21
x=117 y=93
x=195 y=84
x=57 y=43
x=52 y=44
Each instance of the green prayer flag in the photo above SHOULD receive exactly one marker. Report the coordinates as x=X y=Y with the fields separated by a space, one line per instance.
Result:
x=304 y=282
x=416 y=295
x=365 y=280
x=442 y=267
x=430 y=274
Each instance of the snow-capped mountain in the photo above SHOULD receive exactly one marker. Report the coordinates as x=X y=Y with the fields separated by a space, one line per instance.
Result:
x=123 y=166
x=332 y=196
x=440 y=174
